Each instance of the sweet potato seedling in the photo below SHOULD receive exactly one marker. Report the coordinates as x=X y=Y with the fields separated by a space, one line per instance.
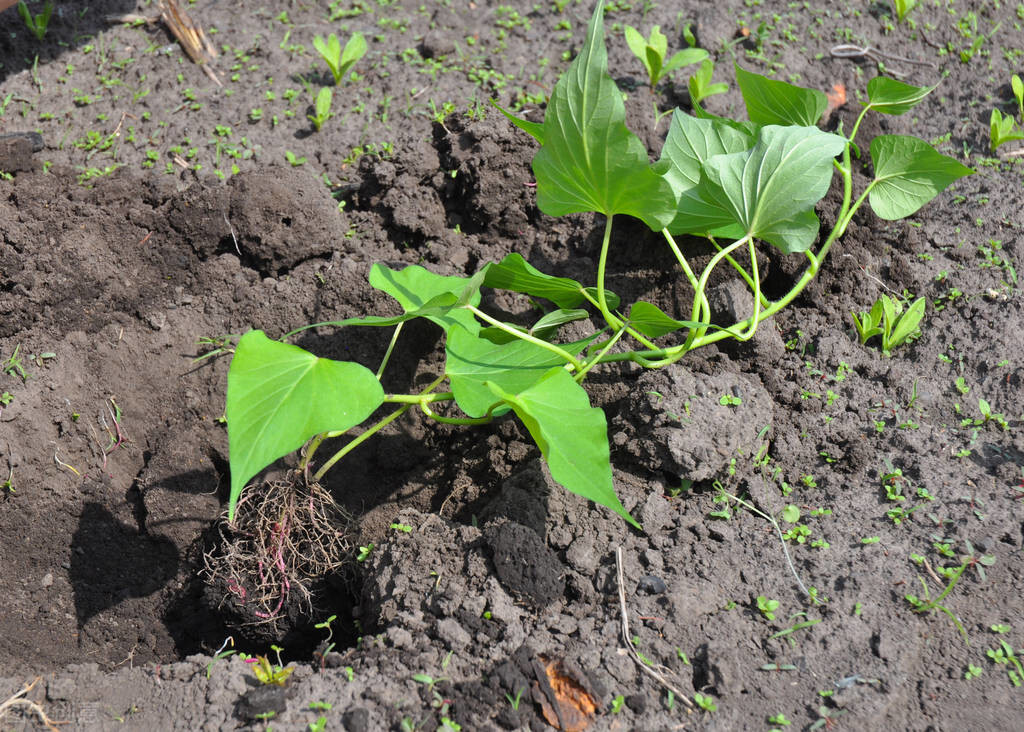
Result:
x=340 y=61
x=739 y=184
x=902 y=7
x=651 y=52
x=1005 y=129
x=321 y=108
x=888 y=320
x=700 y=85
x=37 y=23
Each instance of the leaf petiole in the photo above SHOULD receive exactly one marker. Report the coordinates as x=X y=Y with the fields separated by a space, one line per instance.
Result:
x=561 y=352
x=360 y=439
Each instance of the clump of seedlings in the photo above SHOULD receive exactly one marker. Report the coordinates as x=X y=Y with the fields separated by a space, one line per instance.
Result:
x=739 y=184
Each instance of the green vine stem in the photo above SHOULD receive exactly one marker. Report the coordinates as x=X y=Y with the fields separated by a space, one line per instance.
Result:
x=560 y=352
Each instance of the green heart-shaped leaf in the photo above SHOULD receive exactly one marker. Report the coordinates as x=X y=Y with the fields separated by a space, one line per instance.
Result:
x=770 y=190
x=908 y=174
x=571 y=434
x=771 y=102
x=589 y=159
x=894 y=97
x=279 y=396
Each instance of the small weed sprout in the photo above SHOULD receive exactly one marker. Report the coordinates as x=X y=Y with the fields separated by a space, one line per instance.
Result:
x=340 y=61
x=293 y=159
x=268 y=673
x=700 y=85
x=39 y=22
x=651 y=52
x=902 y=7
x=767 y=607
x=223 y=652
x=1004 y=656
x=989 y=416
x=321 y=108
x=514 y=700
x=705 y=702
x=927 y=605
x=13 y=366
x=888 y=320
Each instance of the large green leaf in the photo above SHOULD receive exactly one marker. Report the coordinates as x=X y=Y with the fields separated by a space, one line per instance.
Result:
x=516 y=274
x=770 y=190
x=415 y=287
x=894 y=97
x=474 y=361
x=571 y=434
x=771 y=102
x=589 y=159
x=279 y=396
x=690 y=143
x=908 y=174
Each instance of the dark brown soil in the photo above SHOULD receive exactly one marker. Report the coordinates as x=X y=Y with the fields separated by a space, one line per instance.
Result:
x=113 y=438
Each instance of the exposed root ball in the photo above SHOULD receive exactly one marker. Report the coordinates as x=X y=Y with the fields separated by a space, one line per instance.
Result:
x=288 y=540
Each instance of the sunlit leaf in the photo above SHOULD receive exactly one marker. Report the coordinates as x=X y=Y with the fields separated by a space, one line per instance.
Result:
x=908 y=174
x=690 y=143
x=771 y=102
x=589 y=159
x=571 y=434
x=770 y=190
x=474 y=361
x=279 y=396
x=894 y=97
x=414 y=287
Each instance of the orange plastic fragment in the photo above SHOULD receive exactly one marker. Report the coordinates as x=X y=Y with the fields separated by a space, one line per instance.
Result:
x=576 y=705
x=836 y=98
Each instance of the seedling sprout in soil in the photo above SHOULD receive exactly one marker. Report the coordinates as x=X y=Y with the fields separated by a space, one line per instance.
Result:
x=340 y=61
x=36 y=23
x=738 y=184
x=651 y=52
x=321 y=108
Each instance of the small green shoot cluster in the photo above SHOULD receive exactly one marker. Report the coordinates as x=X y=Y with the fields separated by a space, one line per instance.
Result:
x=738 y=184
x=1005 y=656
x=321 y=108
x=339 y=61
x=700 y=85
x=651 y=52
x=902 y=7
x=268 y=673
x=888 y=320
x=767 y=607
x=36 y=23
x=1005 y=129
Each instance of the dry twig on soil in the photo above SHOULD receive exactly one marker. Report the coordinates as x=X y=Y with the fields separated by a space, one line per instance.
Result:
x=657 y=672
x=18 y=700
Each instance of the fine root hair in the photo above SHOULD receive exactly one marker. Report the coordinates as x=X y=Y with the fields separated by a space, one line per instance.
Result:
x=286 y=537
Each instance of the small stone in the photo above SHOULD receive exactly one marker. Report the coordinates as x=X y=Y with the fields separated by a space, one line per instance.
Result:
x=47 y=579
x=581 y=555
x=262 y=700
x=452 y=633
x=356 y=720
x=652 y=585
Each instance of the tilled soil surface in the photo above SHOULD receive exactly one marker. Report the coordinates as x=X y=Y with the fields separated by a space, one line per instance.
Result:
x=485 y=595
